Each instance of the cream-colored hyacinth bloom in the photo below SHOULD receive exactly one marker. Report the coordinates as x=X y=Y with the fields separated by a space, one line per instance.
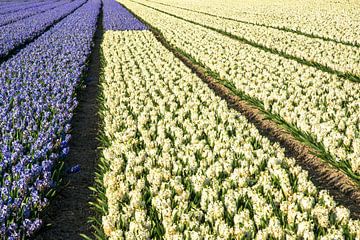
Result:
x=326 y=18
x=315 y=101
x=184 y=166
x=335 y=55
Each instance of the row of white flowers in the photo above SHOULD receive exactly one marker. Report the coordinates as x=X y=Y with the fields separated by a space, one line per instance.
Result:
x=334 y=55
x=185 y=166
x=322 y=104
x=336 y=20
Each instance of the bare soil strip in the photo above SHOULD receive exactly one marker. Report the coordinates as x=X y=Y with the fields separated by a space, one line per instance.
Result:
x=69 y=211
x=323 y=175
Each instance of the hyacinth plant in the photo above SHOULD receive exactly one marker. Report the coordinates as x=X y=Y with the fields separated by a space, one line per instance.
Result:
x=330 y=56
x=179 y=164
x=116 y=17
x=21 y=14
x=12 y=7
x=290 y=16
x=38 y=100
x=22 y=31
x=318 y=108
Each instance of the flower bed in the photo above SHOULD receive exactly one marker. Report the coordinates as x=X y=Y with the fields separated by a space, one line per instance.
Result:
x=14 y=7
x=15 y=34
x=335 y=56
x=37 y=103
x=179 y=164
x=18 y=15
x=321 y=108
x=116 y=17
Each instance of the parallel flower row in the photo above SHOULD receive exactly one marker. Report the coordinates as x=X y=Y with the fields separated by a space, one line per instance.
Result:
x=17 y=33
x=332 y=20
x=337 y=56
x=14 y=7
x=321 y=104
x=116 y=17
x=18 y=15
x=37 y=99
x=182 y=165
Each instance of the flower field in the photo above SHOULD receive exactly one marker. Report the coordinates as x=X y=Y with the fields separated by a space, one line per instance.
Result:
x=184 y=166
x=317 y=103
x=182 y=86
x=37 y=103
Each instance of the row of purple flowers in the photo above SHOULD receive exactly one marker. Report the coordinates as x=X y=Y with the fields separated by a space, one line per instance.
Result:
x=9 y=8
x=18 y=15
x=116 y=17
x=37 y=100
x=15 y=34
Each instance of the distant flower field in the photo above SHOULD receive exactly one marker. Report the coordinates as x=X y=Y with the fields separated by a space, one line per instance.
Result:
x=218 y=119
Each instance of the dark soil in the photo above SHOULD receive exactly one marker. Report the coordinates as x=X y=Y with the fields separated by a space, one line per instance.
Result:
x=69 y=210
